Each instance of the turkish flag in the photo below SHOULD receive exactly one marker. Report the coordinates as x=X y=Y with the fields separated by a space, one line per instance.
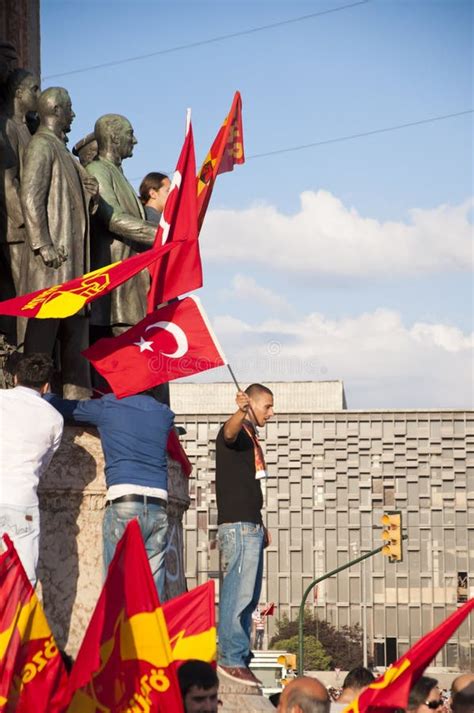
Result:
x=171 y=342
x=125 y=659
x=191 y=622
x=392 y=690
x=32 y=673
x=174 y=277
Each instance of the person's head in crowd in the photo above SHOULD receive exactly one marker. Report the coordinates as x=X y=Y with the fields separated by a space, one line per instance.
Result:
x=425 y=696
x=86 y=149
x=154 y=190
x=304 y=695
x=34 y=371
x=356 y=681
x=199 y=686
x=261 y=403
x=462 y=694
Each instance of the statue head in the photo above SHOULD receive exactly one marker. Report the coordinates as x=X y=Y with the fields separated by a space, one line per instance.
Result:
x=55 y=109
x=115 y=137
x=22 y=91
x=86 y=149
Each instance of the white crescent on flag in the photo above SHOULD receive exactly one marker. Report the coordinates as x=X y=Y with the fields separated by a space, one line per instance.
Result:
x=178 y=334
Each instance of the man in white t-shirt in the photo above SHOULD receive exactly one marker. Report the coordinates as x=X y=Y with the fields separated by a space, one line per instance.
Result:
x=31 y=431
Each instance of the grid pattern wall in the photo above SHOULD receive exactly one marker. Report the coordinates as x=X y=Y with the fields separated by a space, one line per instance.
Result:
x=331 y=477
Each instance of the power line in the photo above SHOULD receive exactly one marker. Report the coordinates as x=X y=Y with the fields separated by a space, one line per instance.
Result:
x=211 y=40
x=441 y=117
x=360 y=135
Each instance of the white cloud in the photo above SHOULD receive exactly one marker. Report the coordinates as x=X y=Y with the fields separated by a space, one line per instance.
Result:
x=327 y=238
x=383 y=362
x=247 y=288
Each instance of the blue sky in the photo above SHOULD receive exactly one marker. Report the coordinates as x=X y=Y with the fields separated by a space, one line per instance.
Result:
x=354 y=257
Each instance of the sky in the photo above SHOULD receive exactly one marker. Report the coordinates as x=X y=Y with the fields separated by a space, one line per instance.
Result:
x=350 y=259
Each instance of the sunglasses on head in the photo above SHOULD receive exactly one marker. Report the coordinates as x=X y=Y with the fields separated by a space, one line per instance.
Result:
x=434 y=704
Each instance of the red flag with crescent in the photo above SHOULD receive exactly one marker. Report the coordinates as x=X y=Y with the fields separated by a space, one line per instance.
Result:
x=393 y=688
x=191 y=623
x=32 y=673
x=174 y=276
x=125 y=659
x=64 y=300
x=226 y=151
x=171 y=342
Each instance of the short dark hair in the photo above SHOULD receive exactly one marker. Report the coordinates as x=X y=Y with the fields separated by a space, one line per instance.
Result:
x=255 y=389
x=196 y=673
x=358 y=677
x=152 y=181
x=34 y=370
x=420 y=691
x=463 y=700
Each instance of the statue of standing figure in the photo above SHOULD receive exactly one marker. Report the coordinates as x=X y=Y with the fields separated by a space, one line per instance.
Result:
x=56 y=196
x=119 y=228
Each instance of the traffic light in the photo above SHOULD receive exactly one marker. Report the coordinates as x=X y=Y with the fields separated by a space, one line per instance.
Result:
x=288 y=661
x=392 y=535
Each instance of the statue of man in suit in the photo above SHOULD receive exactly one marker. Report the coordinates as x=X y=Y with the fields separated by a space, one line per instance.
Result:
x=56 y=196
x=119 y=228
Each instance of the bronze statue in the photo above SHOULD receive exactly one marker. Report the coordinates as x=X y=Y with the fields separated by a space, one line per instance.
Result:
x=119 y=228
x=86 y=149
x=56 y=195
x=21 y=96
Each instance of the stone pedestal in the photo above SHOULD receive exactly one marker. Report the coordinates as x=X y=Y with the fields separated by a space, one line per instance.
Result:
x=237 y=698
x=72 y=502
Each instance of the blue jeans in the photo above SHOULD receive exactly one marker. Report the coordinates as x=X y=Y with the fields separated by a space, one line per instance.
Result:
x=241 y=548
x=153 y=522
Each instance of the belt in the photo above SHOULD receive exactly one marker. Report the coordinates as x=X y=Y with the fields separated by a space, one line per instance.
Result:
x=145 y=499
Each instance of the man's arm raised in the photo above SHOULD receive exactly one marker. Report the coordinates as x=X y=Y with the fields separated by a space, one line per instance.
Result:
x=234 y=424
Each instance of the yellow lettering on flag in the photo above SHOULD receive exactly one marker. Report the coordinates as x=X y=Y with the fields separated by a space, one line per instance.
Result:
x=391 y=674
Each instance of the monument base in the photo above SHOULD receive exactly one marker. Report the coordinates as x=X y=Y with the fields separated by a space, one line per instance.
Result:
x=237 y=698
x=72 y=502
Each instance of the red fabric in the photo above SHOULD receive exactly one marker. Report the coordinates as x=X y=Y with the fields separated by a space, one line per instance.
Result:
x=178 y=273
x=191 y=623
x=32 y=674
x=226 y=151
x=124 y=662
x=393 y=688
x=268 y=610
x=177 y=453
x=170 y=343
x=67 y=299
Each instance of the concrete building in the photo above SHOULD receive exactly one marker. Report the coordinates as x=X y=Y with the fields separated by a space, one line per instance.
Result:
x=332 y=474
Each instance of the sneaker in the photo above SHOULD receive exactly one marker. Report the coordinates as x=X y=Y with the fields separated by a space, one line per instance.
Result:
x=239 y=674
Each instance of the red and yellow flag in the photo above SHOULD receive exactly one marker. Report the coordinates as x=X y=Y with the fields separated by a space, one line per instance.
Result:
x=32 y=673
x=65 y=300
x=393 y=688
x=125 y=661
x=225 y=152
x=191 y=623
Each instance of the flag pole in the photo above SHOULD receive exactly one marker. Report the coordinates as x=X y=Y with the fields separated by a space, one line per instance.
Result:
x=233 y=377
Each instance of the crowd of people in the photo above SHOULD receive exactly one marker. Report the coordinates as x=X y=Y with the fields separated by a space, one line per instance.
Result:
x=199 y=685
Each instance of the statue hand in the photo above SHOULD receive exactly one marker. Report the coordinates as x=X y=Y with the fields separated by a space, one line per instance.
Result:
x=52 y=257
x=91 y=185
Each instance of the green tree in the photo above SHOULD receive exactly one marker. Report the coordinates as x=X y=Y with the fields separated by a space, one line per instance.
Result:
x=343 y=646
x=315 y=657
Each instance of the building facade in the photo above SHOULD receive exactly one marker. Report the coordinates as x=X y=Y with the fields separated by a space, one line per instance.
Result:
x=332 y=474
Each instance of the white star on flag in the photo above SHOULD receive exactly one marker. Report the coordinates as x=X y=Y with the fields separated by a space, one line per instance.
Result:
x=144 y=345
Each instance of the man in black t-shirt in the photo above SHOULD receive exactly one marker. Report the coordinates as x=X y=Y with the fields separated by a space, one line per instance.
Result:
x=242 y=536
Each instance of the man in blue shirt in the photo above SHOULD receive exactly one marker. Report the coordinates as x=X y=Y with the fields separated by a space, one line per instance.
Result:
x=134 y=432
